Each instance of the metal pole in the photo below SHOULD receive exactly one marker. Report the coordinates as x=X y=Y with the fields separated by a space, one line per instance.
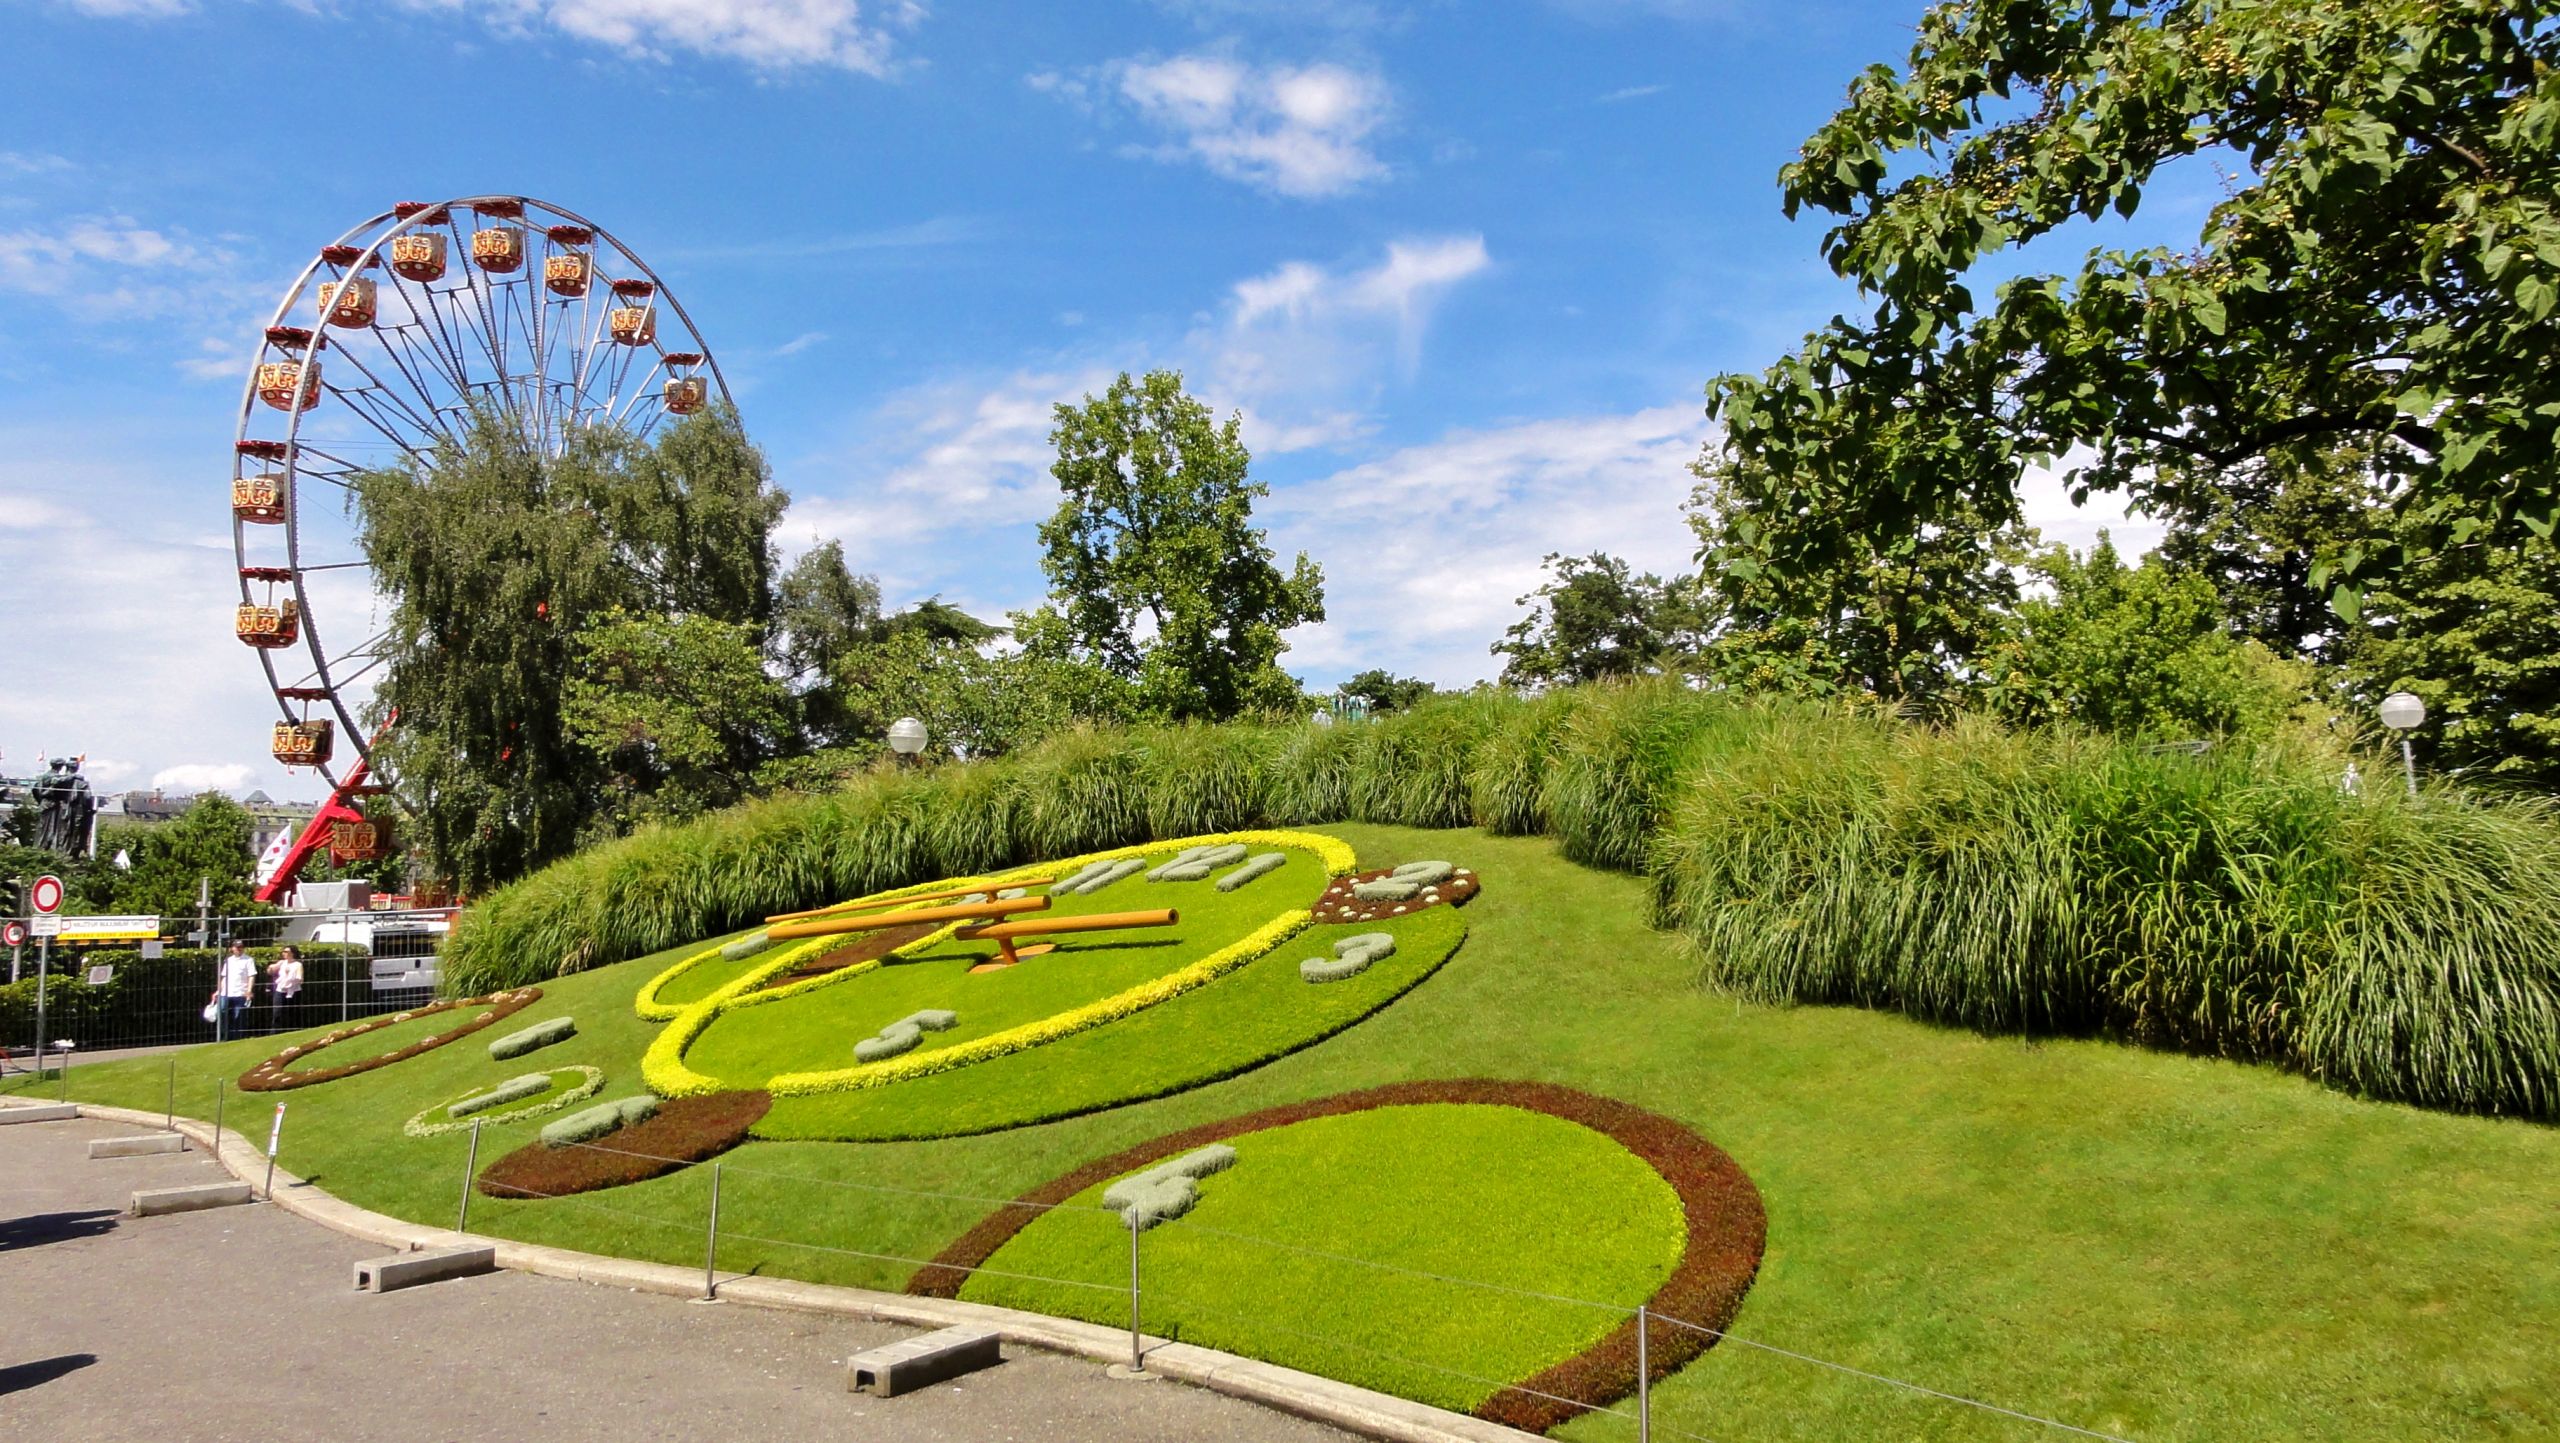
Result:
x=275 y=1135
x=66 y=1077
x=219 y=1087
x=711 y=1249
x=1644 y=1376
x=170 y=1122
x=470 y=1165
x=2409 y=763
x=44 y=953
x=1137 y=1353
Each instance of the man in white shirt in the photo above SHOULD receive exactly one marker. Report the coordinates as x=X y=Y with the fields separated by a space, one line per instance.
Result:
x=231 y=985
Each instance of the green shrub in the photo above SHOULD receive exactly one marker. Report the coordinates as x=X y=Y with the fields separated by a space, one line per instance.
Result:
x=540 y=1034
x=903 y=1034
x=591 y=1123
x=745 y=947
x=514 y=1089
x=1615 y=761
x=1351 y=957
x=1253 y=867
x=968 y=824
x=1169 y=1189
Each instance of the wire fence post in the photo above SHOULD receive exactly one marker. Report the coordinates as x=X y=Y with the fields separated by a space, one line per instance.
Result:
x=1644 y=1375
x=711 y=1247
x=470 y=1165
x=1137 y=1351
x=66 y=1074
x=170 y=1122
x=220 y=1086
x=275 y=1138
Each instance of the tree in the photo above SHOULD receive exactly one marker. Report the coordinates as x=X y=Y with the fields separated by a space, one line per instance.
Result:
x=1385 y=692
x=209 y=840
x=2384 y=275
x=1155 y=568
x=495 y=553
x=2261 y=534
x=680 y=710
x=1596 y=617
x=2475 y=632
x=1901 y=617
x=2137 y=650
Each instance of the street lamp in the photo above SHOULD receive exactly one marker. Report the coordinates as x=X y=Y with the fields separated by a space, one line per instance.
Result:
x=2401 y=711
x=906 y=736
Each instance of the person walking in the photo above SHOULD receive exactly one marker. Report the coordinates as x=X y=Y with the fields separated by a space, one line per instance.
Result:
x=232 y=981
x=284 y=983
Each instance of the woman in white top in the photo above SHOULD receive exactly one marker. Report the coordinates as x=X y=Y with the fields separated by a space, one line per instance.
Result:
x=284 y=983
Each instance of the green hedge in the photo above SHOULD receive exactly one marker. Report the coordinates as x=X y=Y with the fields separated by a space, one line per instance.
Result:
x=161 y=999
x=2049 y=882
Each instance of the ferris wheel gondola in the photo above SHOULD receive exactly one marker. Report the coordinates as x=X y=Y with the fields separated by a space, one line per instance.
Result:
x=391 y=343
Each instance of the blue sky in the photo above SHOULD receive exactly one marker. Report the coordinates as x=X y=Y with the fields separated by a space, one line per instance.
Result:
x=1463 y=268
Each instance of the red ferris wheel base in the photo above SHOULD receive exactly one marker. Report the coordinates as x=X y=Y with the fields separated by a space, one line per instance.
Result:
x=314 y=838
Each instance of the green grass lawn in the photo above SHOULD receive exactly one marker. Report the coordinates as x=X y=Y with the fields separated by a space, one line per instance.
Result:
x=1547 y=1205
x=2164 y=1247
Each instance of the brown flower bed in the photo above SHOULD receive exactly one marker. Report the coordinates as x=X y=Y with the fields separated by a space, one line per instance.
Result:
x=1727 y=1231
x=271 y=1076
x=1340 y=904
x=863 y=948
x=682 y=1132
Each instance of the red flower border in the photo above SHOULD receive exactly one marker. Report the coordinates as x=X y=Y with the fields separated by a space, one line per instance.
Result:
x=682 y=1132
x=270 y=1075
x=1727 y=1231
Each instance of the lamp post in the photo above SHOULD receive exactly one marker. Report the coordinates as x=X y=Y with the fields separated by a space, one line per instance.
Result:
x=907 y=737
x=2401 y=712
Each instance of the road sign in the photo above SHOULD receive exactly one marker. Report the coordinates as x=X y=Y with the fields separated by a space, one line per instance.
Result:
x=46 y=924
x=45 y=897
x=13 y=934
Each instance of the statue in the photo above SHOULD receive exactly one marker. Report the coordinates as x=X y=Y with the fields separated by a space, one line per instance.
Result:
x=64 y=809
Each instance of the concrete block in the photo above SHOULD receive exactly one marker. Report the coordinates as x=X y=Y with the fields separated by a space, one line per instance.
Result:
x=434 y=1265
x=905 y=1366
x=48 y=1112
x=149 y=1144
x=152 y=1202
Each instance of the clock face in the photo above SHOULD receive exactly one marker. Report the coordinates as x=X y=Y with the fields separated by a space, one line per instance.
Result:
x=1100 y=981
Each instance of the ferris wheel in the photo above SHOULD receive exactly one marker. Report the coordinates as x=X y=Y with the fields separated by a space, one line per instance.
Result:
x=395 y=340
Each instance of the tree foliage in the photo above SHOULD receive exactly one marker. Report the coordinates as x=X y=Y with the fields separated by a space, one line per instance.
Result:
x=1156 y=570
x=1385 y=693
x=209 y=840
x=2139 y=651
x=680 y=709
x=1901 y=616
x=1597 y=617
x=2384 y=273
x=2474 y=631
x=495 y=553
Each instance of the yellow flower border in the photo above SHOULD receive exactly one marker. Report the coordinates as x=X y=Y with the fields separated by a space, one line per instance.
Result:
x=662 y=1066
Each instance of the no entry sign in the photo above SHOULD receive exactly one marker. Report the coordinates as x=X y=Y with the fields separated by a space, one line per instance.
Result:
x=44 y=899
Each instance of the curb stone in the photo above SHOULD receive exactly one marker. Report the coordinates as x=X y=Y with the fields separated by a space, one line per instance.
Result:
x=1286 y=1390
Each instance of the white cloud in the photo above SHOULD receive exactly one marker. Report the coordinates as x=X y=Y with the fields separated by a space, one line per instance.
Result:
x=1632 y=92
x=1299 y=131
x=1304 y=346
x=232 y=777
x=132 y=9
x=767 y=34
x=1426 y=550
x=2045 y=500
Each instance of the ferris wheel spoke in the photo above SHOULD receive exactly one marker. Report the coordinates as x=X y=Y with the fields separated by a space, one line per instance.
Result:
x=630 y=407
x=344 y=470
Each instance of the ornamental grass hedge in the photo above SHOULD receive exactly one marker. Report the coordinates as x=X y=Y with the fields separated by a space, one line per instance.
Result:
x=2051 y=882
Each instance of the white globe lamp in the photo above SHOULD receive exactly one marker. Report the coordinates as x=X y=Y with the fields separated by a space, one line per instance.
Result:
x=906 y=736
x=2402 y=712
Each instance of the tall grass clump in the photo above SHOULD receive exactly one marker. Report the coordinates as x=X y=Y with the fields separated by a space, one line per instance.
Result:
x=1506 y=777
x=1206 y=778
x=965 y=819
x=1412 y=768
x=2235 y=904
x=1613 y=764
x=1311 y=773
x=1082 y=791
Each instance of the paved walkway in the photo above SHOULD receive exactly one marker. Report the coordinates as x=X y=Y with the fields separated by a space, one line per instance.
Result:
x=241 y=1324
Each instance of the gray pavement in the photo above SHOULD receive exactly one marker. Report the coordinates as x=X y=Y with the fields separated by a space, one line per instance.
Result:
x=241 y=1324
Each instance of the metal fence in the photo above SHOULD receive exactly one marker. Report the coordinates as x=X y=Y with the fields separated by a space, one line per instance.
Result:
x=104 y=998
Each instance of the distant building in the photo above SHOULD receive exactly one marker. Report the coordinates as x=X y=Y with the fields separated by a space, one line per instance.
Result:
x=149 y=808
x=268 y=819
